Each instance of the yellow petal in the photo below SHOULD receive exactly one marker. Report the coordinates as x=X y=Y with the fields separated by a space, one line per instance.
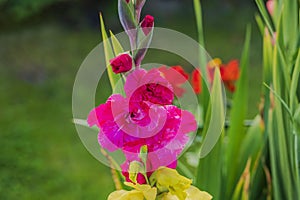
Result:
x=170 y=177
x=126 y=195
x=167 y=196
x=169 y=180
x=214 y=63
x=194 y=193
x=148 y=192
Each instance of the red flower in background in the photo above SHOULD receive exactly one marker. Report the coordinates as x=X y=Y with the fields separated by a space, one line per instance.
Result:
x=176 y=76
x=196 y=81
x=230 y=73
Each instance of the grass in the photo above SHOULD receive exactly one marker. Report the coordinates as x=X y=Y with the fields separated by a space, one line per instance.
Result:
x=41 y=153
x=42 y=156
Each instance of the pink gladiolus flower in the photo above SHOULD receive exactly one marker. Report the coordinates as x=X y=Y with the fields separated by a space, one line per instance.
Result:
x=176 y=77
x=121 y=63
x=144 y=117
x=270 y=6
x=127 y=1
x=147 y=24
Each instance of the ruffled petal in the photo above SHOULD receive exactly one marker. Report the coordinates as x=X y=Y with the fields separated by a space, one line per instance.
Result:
x=148 y=86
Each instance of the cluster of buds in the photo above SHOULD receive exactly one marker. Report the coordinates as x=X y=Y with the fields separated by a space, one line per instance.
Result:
x=139 y=33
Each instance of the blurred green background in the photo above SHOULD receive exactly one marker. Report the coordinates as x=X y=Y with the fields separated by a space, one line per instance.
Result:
x=42 y=44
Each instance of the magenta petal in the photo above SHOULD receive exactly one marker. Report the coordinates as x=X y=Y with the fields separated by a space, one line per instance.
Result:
x=106 y=143
x=104 y=117
x=144 y=117
x=157 y=116
x=162 y=157
x=134 y=81
x=188 y=122
x=92 y=118
x=99 y=115
x=148 y=86
x=175 y=78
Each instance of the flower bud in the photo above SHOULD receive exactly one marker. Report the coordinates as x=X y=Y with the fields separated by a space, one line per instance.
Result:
x=147 y=24
x=121 y=63
x=270 y=6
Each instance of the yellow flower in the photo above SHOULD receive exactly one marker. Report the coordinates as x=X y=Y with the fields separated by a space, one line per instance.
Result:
x=192 y=192
x=166 y=184
x=140 y=192
x=168 y=180
x=172 y=186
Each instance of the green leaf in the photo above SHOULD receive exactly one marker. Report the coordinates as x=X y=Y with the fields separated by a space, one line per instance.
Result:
x=108 y=51
x=286 y=107
x=291 y=23
x=184 y=169
x=295 y=83
x=261 y=6
x=214 y=126
x=274 y=151
x=267 y=58
x=83 y=122
x=236 y=132
x=260 y=24
x=253 y=142
x=240 y=192
x=281 y=57
x=297 y=120
x=117 y=47
x=281 y=128
x=209 y=173
x=205 y=96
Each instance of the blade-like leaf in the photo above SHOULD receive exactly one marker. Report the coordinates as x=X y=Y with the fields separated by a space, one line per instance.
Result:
x=205 y=96
x=295 y=83
x=236 y=132
x=281 y=126
x=240 y=191
x=286 y=107
x=117 y=47
x=261 y=6
x=108 y=51
x=209 y=171
x=291 y=23
x=252 y=143
x=260 y=24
